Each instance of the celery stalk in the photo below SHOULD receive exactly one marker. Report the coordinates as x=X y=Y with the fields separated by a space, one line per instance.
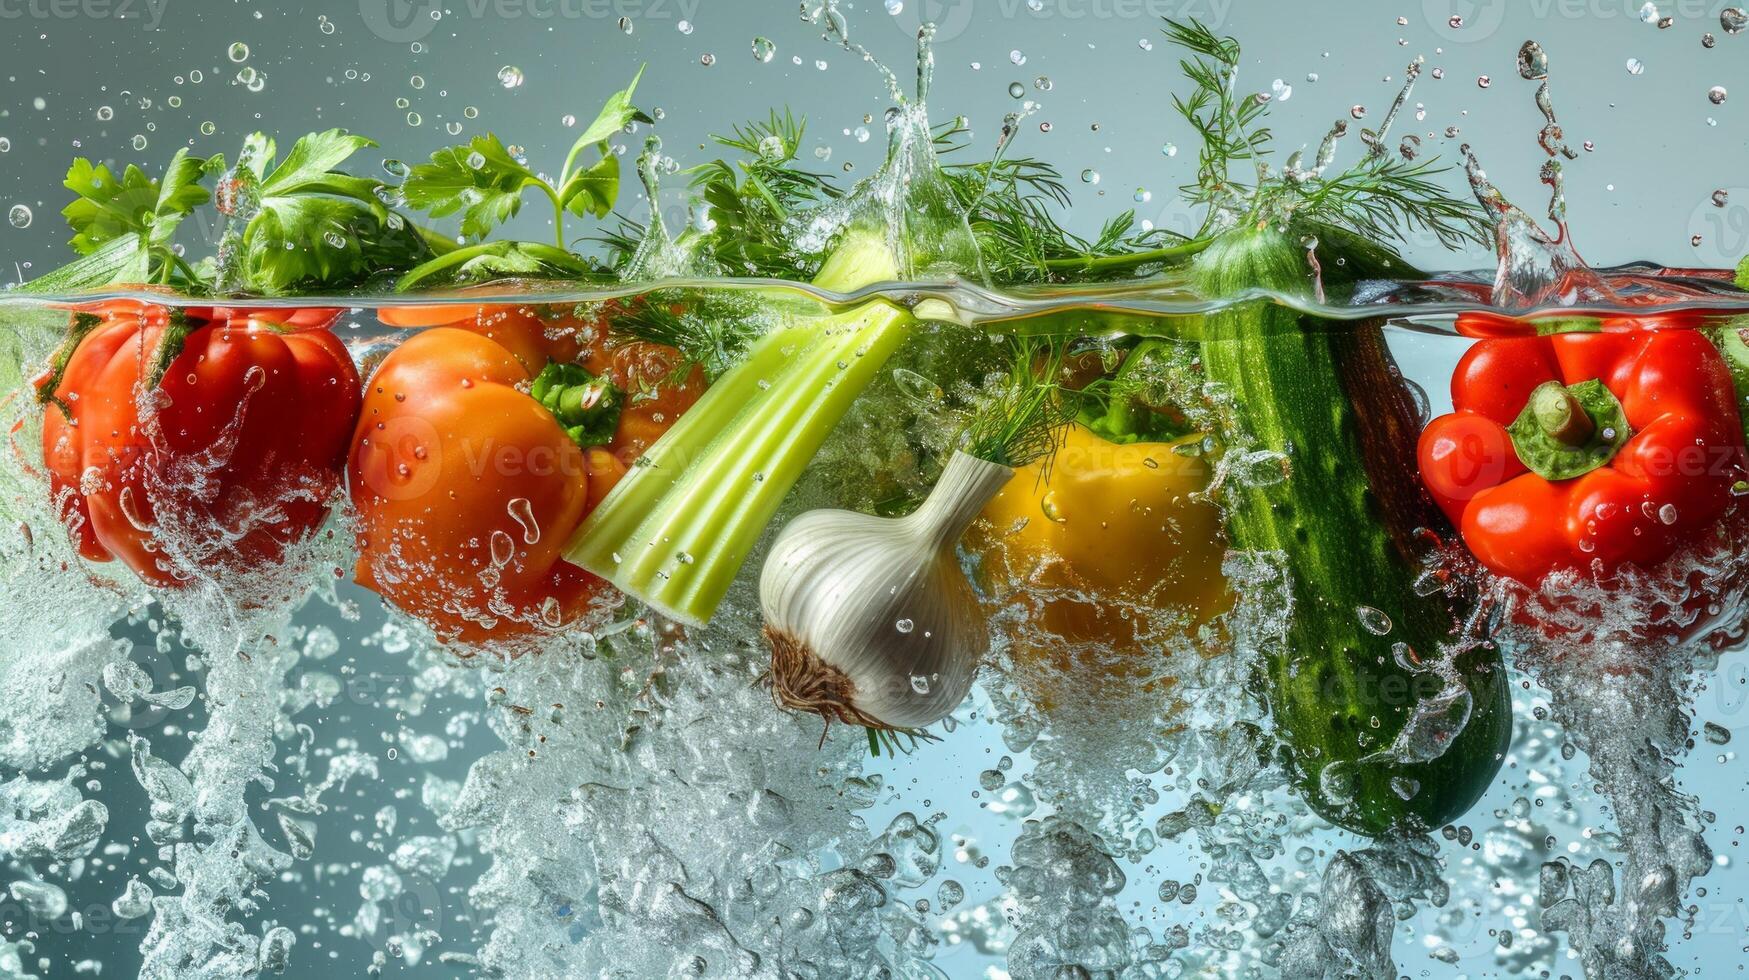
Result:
x=676 y=530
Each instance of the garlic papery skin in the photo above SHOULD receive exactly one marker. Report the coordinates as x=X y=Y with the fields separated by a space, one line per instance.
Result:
x=871 y=619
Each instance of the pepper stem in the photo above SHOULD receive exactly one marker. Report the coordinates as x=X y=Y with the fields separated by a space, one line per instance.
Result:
x=1560 y=415
x=586 y=406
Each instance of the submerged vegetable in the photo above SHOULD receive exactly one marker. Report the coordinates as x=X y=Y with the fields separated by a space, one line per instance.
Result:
x=871 y=621
x=1378 y=739
x=196 y=443
x=1119 y=543
x=1583 y=449
x=483 y=443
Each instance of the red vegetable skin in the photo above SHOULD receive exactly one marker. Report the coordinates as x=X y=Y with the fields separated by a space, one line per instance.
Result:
x=229 y=462
x=468 y=490
x=1664 y=487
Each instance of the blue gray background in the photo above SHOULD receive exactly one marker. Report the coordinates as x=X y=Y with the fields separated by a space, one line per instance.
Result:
x=408 y=73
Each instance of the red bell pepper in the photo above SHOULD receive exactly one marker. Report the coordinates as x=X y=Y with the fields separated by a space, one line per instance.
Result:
x=198 y=441
x=1585 y=449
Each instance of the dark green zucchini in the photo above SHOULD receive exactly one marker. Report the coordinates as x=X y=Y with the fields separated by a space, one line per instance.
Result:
x=1328 y=396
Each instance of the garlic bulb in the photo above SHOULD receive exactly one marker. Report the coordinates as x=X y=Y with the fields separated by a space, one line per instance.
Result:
x=871 y=619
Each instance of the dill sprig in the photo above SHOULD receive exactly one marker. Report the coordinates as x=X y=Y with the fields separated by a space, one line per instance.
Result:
x=1227 y=123
x=1383 y=197
x=1379 y=198
x=1019 y=423
x=712 y=329
x=753 y=199
x=1011 y=206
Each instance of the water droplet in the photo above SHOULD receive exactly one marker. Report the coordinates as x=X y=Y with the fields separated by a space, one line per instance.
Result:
x=503 y=548
x=1376 y=621
x=1636 y=66
x=904 y=626
x=1533 y=61
x=19 y=216
x=238 y=52
x=764 y=49
x=1716 y=95
x=1733 y=20
x=521 y=510
x=510 y=76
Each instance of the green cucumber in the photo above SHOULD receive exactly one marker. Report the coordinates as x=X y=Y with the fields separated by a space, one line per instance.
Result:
x=1327 y=396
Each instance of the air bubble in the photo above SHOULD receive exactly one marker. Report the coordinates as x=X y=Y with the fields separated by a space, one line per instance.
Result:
x=1733 y=20
x=764 y=50
x=1716 y=95
x=1636 y=66
x=510 y=76
x=238 y=52
x=19 y=216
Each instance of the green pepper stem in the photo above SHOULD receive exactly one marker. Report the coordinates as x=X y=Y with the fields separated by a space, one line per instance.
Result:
x=587 y=407
x=1560 y=415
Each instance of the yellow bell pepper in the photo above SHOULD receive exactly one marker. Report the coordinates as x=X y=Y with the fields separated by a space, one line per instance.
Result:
x=1111 y=548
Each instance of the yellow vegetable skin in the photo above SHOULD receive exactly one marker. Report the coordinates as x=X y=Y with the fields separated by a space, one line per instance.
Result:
x=1121 y=547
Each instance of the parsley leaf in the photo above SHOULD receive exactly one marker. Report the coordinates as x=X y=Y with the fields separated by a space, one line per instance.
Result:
x=481 y=180
x=123 y=226
x=484 y=181
x=311 y=226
